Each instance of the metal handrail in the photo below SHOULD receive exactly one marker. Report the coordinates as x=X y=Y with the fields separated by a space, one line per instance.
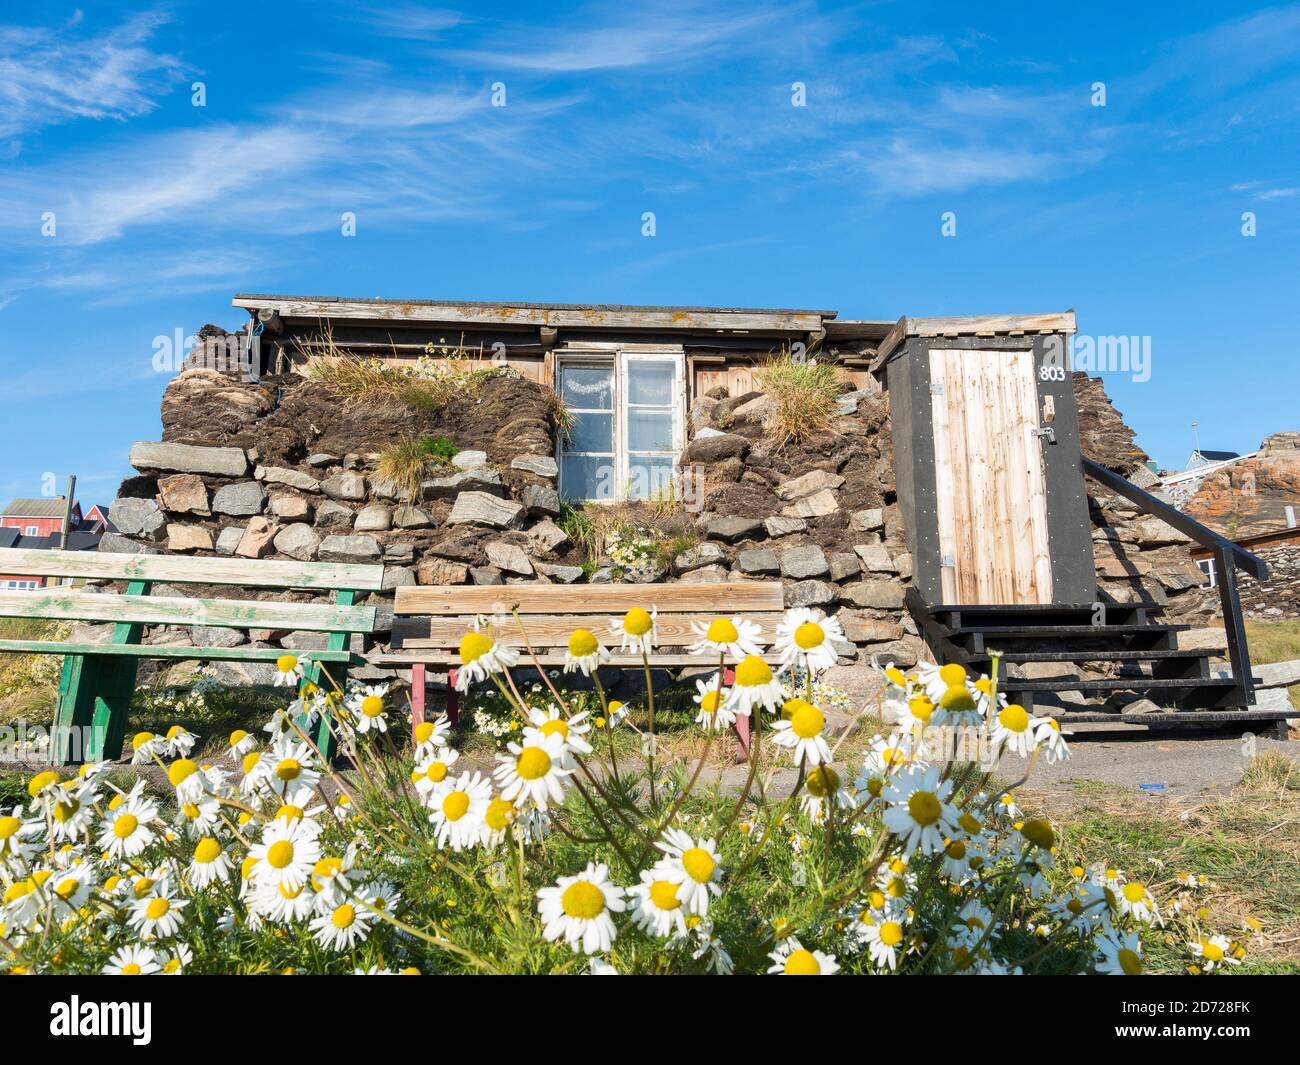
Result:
x=1228 y=558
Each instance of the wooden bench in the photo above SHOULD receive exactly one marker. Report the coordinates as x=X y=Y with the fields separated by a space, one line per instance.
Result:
x=98 y=679
x=430 y=620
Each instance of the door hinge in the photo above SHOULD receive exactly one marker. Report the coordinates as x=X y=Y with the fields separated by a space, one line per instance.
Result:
x=1048 y=432
x=936 y=388
x=948 y=562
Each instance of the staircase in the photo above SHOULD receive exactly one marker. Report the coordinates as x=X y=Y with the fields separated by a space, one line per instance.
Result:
x=1121 y=654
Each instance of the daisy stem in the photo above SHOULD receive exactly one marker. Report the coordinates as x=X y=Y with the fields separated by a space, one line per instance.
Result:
x=650 y=705
x=434 y=940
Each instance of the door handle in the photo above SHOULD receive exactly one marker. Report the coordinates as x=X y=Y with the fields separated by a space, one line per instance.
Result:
x=1046 y=431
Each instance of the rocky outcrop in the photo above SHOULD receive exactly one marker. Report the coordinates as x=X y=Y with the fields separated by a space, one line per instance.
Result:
x=1250 y=497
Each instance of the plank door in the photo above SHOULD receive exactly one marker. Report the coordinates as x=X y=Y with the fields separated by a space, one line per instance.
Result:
x=991 y=497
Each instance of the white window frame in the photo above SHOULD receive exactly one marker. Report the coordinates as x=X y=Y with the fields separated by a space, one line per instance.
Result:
x=1206 y=566
x=618 y=359
x=32 y=530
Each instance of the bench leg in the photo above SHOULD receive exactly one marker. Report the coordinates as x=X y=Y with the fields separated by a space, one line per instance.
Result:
x=453 y=697
x=108 y=726
x=742 y=735
x=417 y=695
x=74 y=712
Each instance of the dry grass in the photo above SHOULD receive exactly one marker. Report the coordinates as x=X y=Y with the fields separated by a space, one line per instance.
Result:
x=407 y=462
x=1275 y=641
x=804 y=392
x=1247 y=842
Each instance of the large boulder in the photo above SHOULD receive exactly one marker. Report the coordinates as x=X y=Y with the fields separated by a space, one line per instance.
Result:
x=187 y=458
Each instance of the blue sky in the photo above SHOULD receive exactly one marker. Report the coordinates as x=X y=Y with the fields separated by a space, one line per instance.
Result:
x=1130 y=213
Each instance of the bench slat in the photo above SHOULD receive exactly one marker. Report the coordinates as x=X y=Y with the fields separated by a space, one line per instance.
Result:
x=184 y=569
x=552 y=658
x=137 y=650
x=673 y=630
x=64 y=605
x=733 y=597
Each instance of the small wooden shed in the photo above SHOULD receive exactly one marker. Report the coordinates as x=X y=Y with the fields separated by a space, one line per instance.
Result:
x=986 y=451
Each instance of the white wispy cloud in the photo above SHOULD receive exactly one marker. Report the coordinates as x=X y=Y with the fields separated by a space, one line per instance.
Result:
x=49 y=76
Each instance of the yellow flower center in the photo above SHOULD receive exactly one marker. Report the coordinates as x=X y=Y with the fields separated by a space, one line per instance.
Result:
x=953 y=674
x=40 y=782
x=372 y=706
x=286 y=663
x=802 y=963
x=181 y=770
x=130 y=969
x=279 y=854
x=437 y=772
x=499 y=815
x=1134 y=892
x=344 y=916
x=288 y=769
x=637 y=622
x=921 y=707
x=423 y=731
x=583 y=899
x=710 y=701
x=957 y=698
x=66 y=888
x=157 y=908
x=9 y=826
x=473 y=646
x=699 y=864
x=207 y=850
x=807 y=721
x=891 y=933
x=288 y=812
x=924 y=807
x=142 y=887
x=1013 y=718
x=956 y=850
x=1040 y=834
x=140 y=739
x=822 y=781
x=809 y=635
x=250 y=761
x=753 y=672
x=533 y=763
x=970 y=823
x=455 y=805
x=65 y=809
x=663 y=893
x=555 y=727
x=238 y=736
x=1211 y=951
x=790 y=706
x=722 y=630
x=125 y=825
x=583 y=643
x=1130 y=962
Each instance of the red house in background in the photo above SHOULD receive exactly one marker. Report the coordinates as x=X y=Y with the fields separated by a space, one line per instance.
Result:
x=38 y=523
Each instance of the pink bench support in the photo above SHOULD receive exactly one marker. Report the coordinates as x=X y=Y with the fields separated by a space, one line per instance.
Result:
x=419 y=696
x=742 y=723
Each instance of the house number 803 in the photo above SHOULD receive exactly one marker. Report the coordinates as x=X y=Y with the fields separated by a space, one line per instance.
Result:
x=1051 y=373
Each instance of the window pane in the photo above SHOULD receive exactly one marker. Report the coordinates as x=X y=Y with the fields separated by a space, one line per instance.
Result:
x=650 y=382
x=590 y=432
x=650 y=477
x=588 y=387
x=587 y=477
x=649 y=430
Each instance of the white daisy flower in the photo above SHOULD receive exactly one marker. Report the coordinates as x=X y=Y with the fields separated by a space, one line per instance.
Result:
x=1047 y=733
x=804 y=638
x=157 y=915
x=288 y=766
x=127 y=828
x=175 y=962
x=882 y=939
x=199 y=818
x=286 y=853
x=658 y=906
x=133 y=961
x=433 y=770
x=802 y=733
x=730 y=637
x=552 y=722
x=480 y=657
x=367 y=707
x=1136 y=901
x=497 y=820
x=289 y=670
x=917 y=810
x=1118 y=953
x=791 y=959
x=697 y=862
x=1214 y=951
x=146 y=748
x=185 y=776
x=823 y=790
x=430 y=735
x=458 y=808
x=210 y=863
x=1013 y=730
x=71 y=808
x=72 y=889
x=716 y=711
x=180 y=741
x=241 y=743
x=636 y=632
x=340 y=927
x=533 y=771
x=577 y=909
x=584 y=652
x=754 y=686
x=16 y=836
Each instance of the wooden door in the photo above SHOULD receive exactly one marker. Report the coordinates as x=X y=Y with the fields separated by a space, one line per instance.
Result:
x=992 y=502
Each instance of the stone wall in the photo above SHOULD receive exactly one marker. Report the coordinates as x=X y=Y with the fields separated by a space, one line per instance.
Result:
x=286 y=469
x=1276 y=599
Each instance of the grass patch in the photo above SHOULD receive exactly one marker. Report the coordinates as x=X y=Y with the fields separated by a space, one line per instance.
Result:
x=29 y=684
x=406 y=462
x=1247 y=843
x=1275 y=641
x=804 y=392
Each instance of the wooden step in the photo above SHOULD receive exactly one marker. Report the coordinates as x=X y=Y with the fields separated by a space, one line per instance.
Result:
x=1150 y=655
x=1049 y=614
x=1033 y=632
x=1144 y=683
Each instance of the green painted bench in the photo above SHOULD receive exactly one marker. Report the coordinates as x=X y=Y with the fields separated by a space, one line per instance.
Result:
x=98 y=679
